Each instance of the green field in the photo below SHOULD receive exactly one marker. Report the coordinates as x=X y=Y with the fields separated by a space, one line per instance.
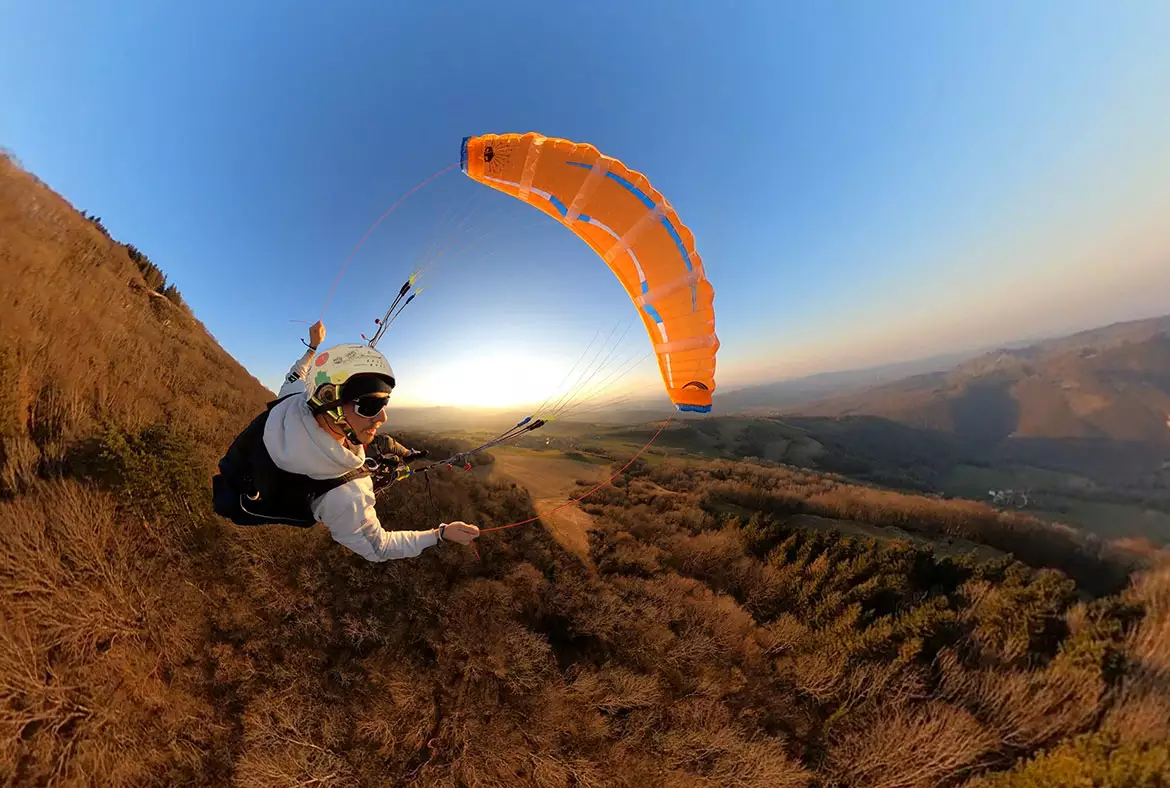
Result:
x=1112 y=520
x=545 y=474
x=971 y=481
x=1059 y=497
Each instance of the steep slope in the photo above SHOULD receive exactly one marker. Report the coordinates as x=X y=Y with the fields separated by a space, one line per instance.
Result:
x=114 y=405
x=86 y=340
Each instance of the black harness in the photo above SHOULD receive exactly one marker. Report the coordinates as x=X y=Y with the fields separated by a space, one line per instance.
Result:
x=251 y=490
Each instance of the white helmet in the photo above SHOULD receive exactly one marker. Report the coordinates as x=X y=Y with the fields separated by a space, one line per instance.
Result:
x=333 y=367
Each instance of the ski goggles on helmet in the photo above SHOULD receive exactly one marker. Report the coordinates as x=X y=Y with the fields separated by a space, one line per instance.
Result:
x=370 y=405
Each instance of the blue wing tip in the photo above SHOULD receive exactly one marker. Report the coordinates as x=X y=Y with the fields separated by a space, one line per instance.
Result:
x=694 y=408
x=463 y=154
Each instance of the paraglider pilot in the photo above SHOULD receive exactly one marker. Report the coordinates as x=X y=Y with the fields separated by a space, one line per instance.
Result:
x=303 y=460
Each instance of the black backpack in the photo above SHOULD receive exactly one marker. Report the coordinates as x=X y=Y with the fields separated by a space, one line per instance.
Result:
x=251 y=490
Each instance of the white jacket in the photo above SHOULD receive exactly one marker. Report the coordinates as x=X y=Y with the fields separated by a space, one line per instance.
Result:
x=298 y=444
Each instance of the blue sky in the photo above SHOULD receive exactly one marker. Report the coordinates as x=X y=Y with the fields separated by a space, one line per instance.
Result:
x=866 y=182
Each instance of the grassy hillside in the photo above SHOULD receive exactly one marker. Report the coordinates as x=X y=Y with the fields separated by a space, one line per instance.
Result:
x=712 y=630
x=87 y=340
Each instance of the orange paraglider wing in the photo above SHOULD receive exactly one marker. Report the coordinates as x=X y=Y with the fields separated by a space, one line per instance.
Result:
x=635 y=231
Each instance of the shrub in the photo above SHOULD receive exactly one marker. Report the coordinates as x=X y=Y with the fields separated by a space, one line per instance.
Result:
x=1092 y=759
x=154 y=471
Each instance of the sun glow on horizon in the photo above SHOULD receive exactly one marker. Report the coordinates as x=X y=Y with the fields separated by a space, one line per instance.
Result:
x=506 y=379
x=487 y=380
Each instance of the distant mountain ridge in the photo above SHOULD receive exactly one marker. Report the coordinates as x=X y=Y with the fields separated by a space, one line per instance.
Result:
x=1112 y=382
x=812 y=388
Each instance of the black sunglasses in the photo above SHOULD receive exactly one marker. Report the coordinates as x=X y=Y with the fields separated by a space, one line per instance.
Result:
x=370 y=405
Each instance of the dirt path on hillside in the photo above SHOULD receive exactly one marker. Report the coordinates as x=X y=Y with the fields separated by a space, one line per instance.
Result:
x=569 y=526
x=551 y=480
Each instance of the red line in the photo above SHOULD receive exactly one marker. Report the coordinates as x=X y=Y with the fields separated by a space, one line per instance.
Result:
x=401 y=200
x=595 y=489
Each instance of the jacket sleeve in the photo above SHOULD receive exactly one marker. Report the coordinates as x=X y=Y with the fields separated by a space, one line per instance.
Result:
x=295 y=380
x=348 y=512
x=387 y=446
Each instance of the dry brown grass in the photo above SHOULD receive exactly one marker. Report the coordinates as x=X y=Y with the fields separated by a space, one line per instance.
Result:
x=86 y=344
x=142 y=642
x=1142 y=712
x=93 y=623
x=912 y=748
x=1027 y=710
x=566 y=523
x=101 y=610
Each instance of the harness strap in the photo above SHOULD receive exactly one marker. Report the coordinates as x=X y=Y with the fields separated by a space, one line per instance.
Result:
x=356 y=473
